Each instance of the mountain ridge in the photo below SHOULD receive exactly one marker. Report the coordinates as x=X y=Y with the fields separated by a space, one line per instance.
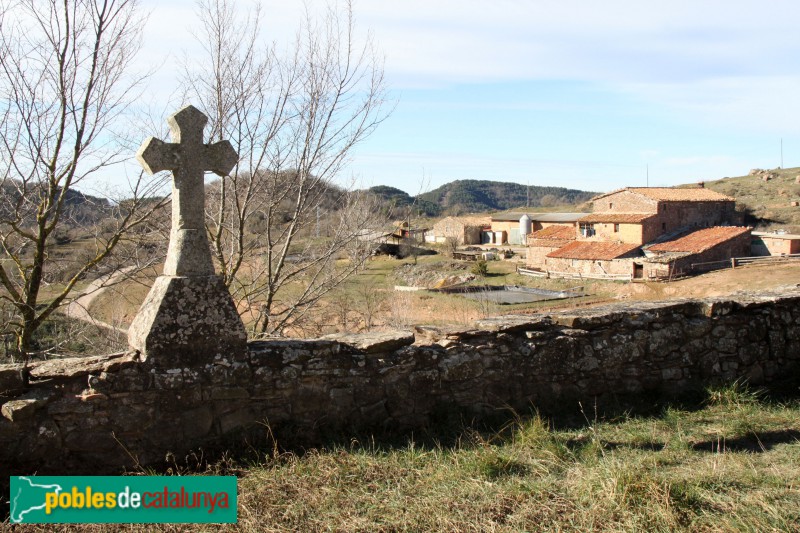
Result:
x=479 y=196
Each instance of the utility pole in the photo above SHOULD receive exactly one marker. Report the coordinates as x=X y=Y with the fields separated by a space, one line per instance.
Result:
x=647 y=174
x=781 y=152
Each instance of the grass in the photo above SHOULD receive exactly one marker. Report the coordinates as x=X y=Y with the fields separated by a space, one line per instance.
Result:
x=731 y=464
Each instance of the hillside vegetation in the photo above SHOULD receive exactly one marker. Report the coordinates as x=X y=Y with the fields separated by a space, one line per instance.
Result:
x=476 y=196
x=472 y=196
x=395 y=202
x=766 y=197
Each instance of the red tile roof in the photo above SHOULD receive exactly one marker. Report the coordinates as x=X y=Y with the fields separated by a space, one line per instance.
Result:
x=555 y=232
x=593 y=250
x=693 y=194
x=624 y=218
x=670 y=194
x=700 y=240
x=547 y=243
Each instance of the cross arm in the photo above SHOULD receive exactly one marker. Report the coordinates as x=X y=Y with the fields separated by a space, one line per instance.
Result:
x=155 y=155
x=221 y=157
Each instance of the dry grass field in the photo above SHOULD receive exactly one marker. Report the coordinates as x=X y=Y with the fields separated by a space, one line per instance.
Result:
x=369 y=300
x=728 y=463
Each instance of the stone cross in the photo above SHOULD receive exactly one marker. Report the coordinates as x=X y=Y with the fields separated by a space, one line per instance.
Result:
x=188 y=158
x=188 y=318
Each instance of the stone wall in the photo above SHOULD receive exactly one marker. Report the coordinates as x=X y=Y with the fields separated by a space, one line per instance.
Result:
x=98 y=414
x=589 y=267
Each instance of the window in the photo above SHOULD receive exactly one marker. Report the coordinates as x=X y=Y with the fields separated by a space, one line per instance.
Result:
x=587 y=229
x=663 y=226
x=616 y=228
x=611 y=205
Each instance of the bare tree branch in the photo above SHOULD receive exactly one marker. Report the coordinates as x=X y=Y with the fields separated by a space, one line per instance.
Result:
x=64 y=87
x=280 y=226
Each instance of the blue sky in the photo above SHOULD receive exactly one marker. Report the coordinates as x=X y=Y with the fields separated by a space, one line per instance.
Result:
x=571 y=93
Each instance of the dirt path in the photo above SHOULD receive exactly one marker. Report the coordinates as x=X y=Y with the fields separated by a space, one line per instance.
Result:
x=79 y=308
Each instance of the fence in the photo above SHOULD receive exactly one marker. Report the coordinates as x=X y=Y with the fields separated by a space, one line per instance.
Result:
x=742 y=261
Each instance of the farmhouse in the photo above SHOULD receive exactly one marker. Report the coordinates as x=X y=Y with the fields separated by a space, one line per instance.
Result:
x=466 y=230
x=646 y=232
x=669 y=210
x=403 y=231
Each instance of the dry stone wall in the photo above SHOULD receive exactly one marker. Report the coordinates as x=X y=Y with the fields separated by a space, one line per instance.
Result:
x=100 y=414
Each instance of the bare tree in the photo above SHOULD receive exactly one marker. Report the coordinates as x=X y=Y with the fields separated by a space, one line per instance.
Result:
x=63 y=89
x=370 y=301
x=279 y=225
x=451 y=245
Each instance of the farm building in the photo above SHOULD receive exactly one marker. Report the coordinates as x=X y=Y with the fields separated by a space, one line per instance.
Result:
x=507 y=225
x=590 y=258
x=669 y=209
x=774 y=243
x=697 y=251
x=672 y=228
x=549 y=239
x=466 y=230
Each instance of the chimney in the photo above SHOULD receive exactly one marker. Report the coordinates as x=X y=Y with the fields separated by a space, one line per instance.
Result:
x=701 y=184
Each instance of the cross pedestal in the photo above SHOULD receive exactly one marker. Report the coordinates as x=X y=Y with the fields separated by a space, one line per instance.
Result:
x=188 y=317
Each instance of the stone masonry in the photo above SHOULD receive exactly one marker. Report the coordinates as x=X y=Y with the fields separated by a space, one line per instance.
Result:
x=188 y=316
x=100 y=414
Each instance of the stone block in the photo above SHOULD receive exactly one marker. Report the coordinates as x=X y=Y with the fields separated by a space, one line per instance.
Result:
x=375 y=342
x=10 y=380
x=197 y=423
x=375 y=412
x=236 y=419
x=229 y=393
x=188 y=321
x=460 y=367
x=26 y=405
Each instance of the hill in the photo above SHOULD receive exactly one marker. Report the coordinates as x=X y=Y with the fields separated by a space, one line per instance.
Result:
x=766 y=197
x=80 y=210
x=472 y=196
x=396 y=200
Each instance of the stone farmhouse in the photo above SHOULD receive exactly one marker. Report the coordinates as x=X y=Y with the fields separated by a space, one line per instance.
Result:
x=466 y=230
x=644 y=232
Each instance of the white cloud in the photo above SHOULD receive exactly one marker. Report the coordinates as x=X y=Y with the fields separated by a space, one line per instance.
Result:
x=729 y=64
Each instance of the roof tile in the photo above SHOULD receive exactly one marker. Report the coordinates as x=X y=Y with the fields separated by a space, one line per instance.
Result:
x=699 y=240
x=555 y=232
x=691 y=194
x=624 y=218
x=593 y=250
x=547 y=243
x=671 y=194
